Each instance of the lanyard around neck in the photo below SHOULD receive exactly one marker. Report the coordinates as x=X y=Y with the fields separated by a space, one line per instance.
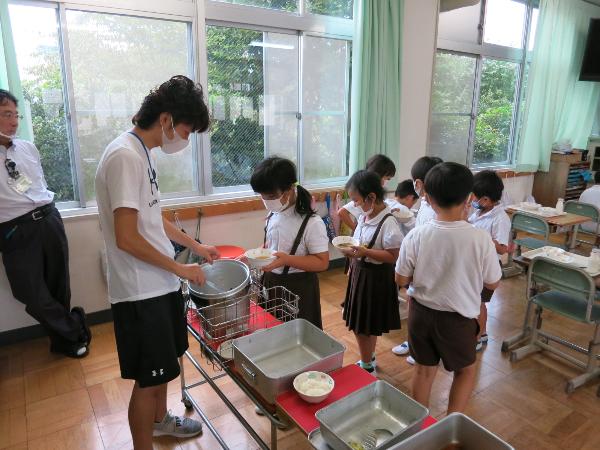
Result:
x=151 y=171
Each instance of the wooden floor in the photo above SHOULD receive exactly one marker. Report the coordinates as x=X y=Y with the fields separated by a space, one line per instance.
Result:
x=49 y=402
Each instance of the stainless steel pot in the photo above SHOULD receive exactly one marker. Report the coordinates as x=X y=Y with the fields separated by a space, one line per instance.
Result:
x=223 y=300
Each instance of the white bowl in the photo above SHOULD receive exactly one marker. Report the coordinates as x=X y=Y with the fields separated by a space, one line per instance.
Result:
x=260 y=257
x=313 y=386
x=403 y=216
x=344 y=242
x=530 y=206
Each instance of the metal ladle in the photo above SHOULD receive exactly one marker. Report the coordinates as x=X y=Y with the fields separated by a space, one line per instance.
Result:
x=376 y=437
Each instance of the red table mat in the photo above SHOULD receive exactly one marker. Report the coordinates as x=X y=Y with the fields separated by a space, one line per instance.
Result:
x=347 y=380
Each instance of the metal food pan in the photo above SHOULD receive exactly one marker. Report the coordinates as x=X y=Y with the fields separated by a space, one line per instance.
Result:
x=455 y=429
x=376 y=406
x=270 y=359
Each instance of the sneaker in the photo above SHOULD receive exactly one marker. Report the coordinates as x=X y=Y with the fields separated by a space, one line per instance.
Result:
x=181 y=427
x=479 y=345
x=370 y=368
x=373 y=362
x=411 y=360
x=401 y=349
x=78 y=350
x=484 y=338
x=87 y=333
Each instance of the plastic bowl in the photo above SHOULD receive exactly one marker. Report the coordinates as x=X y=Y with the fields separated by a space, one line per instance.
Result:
x=344 y=242
x=313 y=386
x=530 y=206
x=260 y=257
x=403 y=216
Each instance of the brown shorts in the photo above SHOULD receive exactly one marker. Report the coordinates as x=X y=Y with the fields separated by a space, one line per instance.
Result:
x=445 y=335
x=486 y=294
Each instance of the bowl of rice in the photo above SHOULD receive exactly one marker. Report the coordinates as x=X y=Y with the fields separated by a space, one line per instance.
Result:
x=313 y=386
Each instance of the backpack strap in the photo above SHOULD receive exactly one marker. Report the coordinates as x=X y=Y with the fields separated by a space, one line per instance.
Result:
x=286 y=269
x=376 y=234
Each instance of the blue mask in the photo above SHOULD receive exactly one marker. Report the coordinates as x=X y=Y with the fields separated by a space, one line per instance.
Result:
x=475 y=204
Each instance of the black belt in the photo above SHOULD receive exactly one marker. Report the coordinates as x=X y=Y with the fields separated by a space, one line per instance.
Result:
x=31 y=216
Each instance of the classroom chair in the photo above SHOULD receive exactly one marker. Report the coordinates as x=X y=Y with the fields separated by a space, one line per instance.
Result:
x=587 y=210
x=570 y=292
x=533 y=225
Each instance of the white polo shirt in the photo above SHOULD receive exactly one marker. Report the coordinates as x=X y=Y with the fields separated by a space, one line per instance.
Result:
x=122 y=181
x=426 y=213
x=283 y=228
x=357 y=211
x=27 y=160
x=390 y=236
x=496 y=222
x=449 y=263
x=591 y=195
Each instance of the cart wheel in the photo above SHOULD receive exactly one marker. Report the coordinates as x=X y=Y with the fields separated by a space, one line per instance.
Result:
x=188 y=405
x=570 y=388
x=504 y=347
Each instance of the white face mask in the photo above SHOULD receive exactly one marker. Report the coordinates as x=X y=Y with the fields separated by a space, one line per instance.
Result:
x=418 y=191
x=275 y=205
x=174 y=145
x=370 y=211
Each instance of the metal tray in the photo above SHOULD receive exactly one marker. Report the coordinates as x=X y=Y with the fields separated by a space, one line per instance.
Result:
x=455 y=428
x=378 y=405
x=316 y=440
x=270 y=359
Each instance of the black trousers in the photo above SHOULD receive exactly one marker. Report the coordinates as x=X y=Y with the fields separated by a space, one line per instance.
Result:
x=36 y=257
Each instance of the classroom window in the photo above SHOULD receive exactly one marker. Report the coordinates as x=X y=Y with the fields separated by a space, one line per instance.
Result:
x=36 y=38
x=478 y=89
x=253 y=88
x=85 y=71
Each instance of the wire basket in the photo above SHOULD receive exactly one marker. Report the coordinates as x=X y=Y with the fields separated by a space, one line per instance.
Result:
x=261 y=308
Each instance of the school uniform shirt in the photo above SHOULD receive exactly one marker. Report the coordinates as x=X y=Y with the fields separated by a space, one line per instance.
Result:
x=449 y=263
x=122 y=181
x=27 y=159
x=283 y=228
x=591 y=195
x=389 y=237
x=425 y=215
x=496 y=222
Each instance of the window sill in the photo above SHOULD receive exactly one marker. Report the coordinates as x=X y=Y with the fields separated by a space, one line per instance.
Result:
x=187 y=209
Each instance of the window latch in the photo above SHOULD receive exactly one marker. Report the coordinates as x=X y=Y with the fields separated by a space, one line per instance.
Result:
x=299 y=116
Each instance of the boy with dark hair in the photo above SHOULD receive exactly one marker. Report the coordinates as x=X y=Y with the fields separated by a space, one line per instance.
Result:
x=405 y=194
x=490 y=216
x=446 y=264
x=144 y=279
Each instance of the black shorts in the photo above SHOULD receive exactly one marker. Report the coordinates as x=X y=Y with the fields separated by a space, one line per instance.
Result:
x=151 y=335
x=445 y=335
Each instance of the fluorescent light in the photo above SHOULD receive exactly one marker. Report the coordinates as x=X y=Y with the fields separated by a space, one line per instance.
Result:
x=271 y=45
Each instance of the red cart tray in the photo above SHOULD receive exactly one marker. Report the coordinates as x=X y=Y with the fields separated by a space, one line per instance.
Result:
x=347 y=380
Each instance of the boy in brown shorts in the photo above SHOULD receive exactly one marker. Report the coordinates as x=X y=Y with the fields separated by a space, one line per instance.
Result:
x=446 y=264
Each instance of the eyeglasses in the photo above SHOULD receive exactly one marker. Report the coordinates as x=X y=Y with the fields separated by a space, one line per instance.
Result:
x=11 y=115
x=11 y=168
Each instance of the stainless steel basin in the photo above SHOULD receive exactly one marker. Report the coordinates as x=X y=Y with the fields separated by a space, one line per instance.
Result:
x=454 y=429
x=376 y=406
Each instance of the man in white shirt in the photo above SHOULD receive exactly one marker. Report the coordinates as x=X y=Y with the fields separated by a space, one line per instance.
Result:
x=143 y=277
x=592 y=196
x=33 y=243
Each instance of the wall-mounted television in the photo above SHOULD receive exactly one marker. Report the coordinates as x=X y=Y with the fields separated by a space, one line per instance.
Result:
x=590 y=66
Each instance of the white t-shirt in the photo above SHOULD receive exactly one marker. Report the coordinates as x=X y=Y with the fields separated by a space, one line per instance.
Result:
x=591 y=195
x=449 y=263
x=496 y=222
x=357 y=211
x=389 y=237
x=283 y=228
x=27 y=159
x=425 y=215
x=122 y=181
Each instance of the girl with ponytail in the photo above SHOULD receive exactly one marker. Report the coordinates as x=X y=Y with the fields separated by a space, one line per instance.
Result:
x=296 y=234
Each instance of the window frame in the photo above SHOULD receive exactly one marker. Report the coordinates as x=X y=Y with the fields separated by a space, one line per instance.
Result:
x=197 y=15
x=482 y=51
